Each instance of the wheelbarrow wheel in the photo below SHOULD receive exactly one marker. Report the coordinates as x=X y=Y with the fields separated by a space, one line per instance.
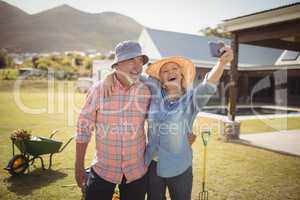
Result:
x=17 y=165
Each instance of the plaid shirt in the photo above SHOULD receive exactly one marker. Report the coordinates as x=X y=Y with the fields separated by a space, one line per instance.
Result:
x=119 y=123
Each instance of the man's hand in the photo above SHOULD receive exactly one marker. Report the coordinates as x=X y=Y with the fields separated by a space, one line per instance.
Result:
x=192 y=138
x=108 y=85
x=80 y=176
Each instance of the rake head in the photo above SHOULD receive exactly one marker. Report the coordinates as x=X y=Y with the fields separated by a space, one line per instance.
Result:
x=203 y=195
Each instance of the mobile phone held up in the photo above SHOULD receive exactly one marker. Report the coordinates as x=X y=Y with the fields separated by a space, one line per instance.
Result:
x=215 y=49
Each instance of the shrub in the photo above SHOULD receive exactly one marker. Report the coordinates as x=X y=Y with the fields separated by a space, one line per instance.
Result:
x=8 y=74
x=5 y=60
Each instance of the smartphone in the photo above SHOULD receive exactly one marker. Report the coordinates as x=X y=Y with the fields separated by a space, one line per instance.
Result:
x=215 y=49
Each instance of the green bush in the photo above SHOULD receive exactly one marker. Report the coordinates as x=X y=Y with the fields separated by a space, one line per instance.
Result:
x=5 y=60
x=43 y=66
x=88 y=64
x=56 y=58
x=79 y=60
x=29 y=64
x=45 y=63
x=99 y=57
x=66 y=62
x=63 y=66
x=8 y=74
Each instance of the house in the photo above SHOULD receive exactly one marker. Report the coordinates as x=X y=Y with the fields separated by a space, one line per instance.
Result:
x=255 y=64
x=276 y=28
x=100 y=69
x=83 y=84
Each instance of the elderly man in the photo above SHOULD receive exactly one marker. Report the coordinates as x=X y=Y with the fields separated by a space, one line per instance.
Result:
x=119 y=126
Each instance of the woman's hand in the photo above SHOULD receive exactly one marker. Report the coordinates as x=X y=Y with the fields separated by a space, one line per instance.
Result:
x=108 y=85
x=192 y=138
x=217 y=71
x=227 y=57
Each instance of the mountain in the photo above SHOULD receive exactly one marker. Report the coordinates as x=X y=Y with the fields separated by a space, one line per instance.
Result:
x=9 y=13
x=63 y=28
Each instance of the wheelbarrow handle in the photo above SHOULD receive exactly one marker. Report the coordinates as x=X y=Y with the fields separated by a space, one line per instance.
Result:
x=65 y=145
x=53 y=133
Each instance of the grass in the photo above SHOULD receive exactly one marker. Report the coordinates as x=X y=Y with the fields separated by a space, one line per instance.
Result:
x=234 y=171
x=256 y=125
x=269 y=125
x=55 y=184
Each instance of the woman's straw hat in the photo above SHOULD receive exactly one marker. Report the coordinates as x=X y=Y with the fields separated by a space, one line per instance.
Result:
x=187 y=67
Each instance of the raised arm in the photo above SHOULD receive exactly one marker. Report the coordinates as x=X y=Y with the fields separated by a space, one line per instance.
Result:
x=203 y=92
x=217 y=71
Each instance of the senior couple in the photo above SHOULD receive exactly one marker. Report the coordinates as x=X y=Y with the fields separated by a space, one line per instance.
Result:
x=143 y=159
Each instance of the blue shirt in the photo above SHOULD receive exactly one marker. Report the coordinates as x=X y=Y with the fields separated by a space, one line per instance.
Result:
x=170 y=122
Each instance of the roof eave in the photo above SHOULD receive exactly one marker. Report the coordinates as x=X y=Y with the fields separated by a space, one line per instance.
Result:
x=262 y=19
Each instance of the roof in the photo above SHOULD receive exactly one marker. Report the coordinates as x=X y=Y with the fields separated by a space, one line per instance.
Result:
x=196 y=48
x=285 y=13
x=264 y=11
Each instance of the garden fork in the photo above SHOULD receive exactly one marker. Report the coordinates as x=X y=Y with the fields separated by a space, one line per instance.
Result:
x=204 y=194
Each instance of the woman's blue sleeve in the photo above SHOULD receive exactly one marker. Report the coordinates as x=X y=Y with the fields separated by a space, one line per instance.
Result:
x=152 y=83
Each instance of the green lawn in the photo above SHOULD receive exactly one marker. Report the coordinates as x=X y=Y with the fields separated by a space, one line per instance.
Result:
x=255 y=125
x=235 y=171
x=269 y=125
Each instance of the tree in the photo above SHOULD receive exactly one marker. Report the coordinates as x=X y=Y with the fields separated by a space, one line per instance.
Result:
x=66 y=61
x=79 y=60
x=5 y=60
x=217 y=31
x=35 y=61
x=88 y=64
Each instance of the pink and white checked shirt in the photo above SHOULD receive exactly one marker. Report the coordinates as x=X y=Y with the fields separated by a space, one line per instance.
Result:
x=119 y=124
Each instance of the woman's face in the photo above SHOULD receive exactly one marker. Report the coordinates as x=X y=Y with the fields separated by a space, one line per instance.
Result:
x=170 y=75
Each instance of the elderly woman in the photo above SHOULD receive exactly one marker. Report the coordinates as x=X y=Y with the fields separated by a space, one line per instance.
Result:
x=173 y=109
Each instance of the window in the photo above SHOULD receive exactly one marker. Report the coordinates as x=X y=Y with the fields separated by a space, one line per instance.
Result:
x=290 y=55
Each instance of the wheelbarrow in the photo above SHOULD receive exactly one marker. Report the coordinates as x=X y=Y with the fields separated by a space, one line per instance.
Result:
x=31 y=150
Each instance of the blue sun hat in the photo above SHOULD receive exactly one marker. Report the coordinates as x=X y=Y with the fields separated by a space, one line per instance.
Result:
x=126 y=50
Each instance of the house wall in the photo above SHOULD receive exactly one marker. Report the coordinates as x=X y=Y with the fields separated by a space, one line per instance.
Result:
x=100 y=69
x=272 y=87
x=279 y=87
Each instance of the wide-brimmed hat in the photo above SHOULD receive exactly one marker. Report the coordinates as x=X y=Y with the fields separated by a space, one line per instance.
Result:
x=188 y=69
x=126 y=50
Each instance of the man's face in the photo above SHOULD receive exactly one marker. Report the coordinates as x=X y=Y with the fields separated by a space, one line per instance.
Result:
x=170 y=75
x=131 y=68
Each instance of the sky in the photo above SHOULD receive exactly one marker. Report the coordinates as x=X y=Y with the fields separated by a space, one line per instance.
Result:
x=186 y=16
